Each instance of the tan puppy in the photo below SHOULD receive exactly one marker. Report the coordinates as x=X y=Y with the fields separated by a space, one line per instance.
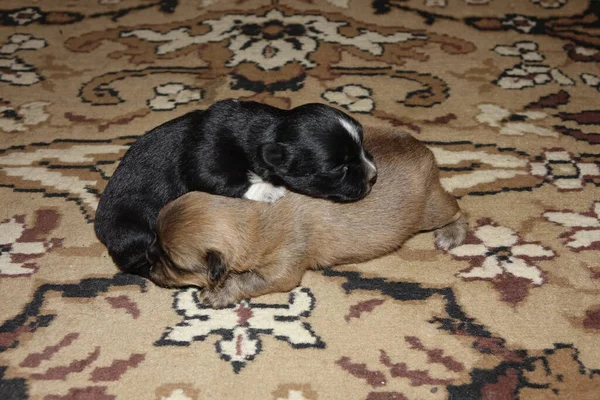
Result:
x=238 y=249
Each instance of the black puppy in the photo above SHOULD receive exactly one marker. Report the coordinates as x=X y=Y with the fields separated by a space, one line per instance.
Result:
x=236 y=149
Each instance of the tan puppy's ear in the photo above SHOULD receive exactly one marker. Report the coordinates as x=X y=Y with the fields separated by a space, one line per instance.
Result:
x=216 y=267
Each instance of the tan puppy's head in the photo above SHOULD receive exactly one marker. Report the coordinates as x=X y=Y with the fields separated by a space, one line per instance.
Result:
x=178 y=259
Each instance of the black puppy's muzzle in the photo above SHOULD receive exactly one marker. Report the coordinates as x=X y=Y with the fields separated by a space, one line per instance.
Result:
x=352 y=193
x=358 y=184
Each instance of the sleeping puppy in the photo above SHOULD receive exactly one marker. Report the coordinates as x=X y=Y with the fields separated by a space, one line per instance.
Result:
x=234 y=149
x=238 y=249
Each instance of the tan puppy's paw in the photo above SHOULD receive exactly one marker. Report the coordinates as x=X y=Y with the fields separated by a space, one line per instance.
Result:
x=218 y=298
x=263 y=191
x=452 y=235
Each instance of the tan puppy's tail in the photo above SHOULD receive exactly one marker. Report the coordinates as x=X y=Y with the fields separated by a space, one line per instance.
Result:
x=453 y=234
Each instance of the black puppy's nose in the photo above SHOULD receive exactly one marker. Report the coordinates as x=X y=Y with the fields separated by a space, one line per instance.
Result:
x=371 y=174
x=373 y=179
x=370 y=170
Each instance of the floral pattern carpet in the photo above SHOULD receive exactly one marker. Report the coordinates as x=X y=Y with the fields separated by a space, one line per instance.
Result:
x=505 y=93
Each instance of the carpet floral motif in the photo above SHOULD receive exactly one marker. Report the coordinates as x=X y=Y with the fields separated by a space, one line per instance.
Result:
x=497 y=254
x=241 y=326
x=585 y=227
x=21 y=244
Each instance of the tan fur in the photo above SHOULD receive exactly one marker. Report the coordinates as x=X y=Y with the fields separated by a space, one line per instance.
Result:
x=268 y=247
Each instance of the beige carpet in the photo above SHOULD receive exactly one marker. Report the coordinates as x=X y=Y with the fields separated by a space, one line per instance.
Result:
x=506 y=94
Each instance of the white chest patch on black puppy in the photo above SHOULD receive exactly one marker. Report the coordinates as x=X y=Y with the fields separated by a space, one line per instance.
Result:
x=260 y=190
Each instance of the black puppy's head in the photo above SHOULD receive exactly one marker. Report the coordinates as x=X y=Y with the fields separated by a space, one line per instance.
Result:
x=319 y=152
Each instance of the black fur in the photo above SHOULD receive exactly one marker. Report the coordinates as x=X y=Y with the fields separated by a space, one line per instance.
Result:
x=305 y=149
x=156 y=254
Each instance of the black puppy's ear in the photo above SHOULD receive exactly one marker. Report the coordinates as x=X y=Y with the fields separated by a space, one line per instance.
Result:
x=275 y=155
x=216 y=266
